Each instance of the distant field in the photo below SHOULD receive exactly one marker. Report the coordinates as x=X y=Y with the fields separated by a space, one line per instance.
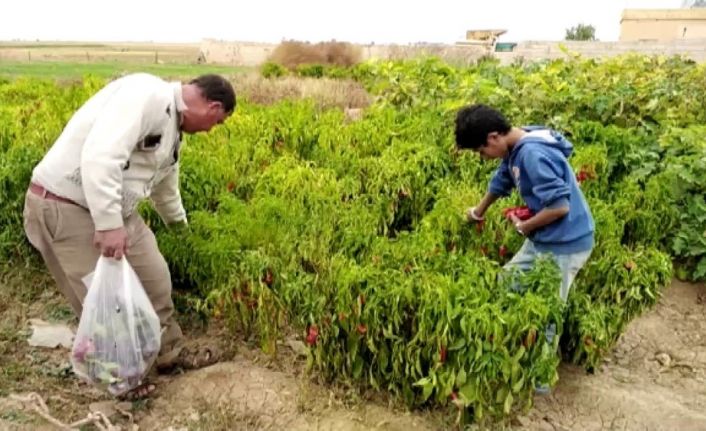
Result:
x=74 y=70
x=70 y=60
x=82 y=51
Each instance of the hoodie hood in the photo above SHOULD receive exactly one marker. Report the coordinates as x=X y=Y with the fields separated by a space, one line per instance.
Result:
x=544 y=136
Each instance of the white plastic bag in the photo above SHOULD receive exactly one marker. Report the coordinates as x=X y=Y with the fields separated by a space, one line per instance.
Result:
x=118 y=336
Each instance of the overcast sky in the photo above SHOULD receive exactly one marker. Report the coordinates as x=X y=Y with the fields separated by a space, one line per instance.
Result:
x=361 y=21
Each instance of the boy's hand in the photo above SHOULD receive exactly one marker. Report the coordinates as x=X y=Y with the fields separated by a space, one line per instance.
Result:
x=519 y=224
x=542 y=218
x=473 y=216
x=476 y=213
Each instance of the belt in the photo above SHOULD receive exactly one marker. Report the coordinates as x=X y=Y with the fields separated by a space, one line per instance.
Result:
x=46 y=194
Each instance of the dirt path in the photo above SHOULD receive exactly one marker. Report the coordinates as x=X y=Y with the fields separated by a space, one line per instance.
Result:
x=654 y=380
x=260 y=398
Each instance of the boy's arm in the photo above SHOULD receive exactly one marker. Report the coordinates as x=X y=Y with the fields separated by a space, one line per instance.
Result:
x=548 y=185
x=544 y=217
x=500 y=185
x=477 y=212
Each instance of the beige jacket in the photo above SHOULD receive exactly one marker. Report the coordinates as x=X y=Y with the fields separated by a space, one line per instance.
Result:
x=121 y=147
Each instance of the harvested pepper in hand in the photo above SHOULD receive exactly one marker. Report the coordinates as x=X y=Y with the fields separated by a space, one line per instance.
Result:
x=523 y=213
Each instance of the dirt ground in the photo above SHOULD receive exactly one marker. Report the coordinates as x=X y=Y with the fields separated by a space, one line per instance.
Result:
x=654 y=380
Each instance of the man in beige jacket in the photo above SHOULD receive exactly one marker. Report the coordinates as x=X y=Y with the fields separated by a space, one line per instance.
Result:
x=121 y=147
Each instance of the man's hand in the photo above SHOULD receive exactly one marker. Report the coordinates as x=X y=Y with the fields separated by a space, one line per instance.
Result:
x=112 y=243
x=179 y=226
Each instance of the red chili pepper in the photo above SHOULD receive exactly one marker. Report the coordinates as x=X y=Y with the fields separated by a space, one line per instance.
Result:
x=442 y=354
x=454 y=395
x=479 y=226
x=268 y=278
x=502 y=251
x=584 y=175
x=362 y=329
x=522 y=213
x=313 y=335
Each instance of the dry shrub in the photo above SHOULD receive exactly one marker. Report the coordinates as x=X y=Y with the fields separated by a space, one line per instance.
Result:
x=326 y=93
x=291 y=54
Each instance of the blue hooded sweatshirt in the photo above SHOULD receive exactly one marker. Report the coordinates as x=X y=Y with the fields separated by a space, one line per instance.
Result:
x=537 y=165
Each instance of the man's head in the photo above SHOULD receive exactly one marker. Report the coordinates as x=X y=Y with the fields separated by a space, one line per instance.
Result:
x=209 y=99
x=483 y=129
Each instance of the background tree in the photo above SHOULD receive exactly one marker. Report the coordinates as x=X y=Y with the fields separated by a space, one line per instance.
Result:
x=581 y=32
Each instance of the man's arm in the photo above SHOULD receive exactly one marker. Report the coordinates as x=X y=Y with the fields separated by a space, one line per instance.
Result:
x=167 y=199
x=123 y=121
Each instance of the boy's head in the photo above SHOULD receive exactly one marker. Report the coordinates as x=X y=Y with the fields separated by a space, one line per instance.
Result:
x=482 y=129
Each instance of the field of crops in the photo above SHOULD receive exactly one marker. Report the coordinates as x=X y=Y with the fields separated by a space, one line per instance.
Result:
x=352 y=233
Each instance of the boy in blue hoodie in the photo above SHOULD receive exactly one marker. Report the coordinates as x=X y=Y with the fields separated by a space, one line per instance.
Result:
x=534 y=160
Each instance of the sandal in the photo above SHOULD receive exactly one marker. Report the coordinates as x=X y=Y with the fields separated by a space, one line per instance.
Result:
x=193 y=357
x=141 y=392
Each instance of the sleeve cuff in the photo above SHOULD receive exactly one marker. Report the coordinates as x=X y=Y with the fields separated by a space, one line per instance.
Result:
x=108 y=221
x=559 y=203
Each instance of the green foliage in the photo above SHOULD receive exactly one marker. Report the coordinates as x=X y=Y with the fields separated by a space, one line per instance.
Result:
x=353 y=233
x=273 y=70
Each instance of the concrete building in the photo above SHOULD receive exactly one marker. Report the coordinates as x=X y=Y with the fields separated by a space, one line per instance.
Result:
x=663 y=25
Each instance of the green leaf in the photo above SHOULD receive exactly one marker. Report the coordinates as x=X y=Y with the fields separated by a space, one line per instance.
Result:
x=469 y=392
x=461 y=377
x=357 y=367
x=383 y=358
x=518 y=355
x=506 y=370
x=508 y=403
x=502 y=394
x=423 y=381
x=518 y=385
x=427 y=390
x=458 y=344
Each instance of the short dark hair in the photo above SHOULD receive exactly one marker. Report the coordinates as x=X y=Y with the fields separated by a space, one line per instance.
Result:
x=216 y=89
x=475 y=122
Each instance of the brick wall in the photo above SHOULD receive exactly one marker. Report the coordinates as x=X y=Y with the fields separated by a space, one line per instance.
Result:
x=253 y=54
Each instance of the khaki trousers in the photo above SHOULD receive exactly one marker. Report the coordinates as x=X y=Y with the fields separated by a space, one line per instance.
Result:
x=63 y=234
